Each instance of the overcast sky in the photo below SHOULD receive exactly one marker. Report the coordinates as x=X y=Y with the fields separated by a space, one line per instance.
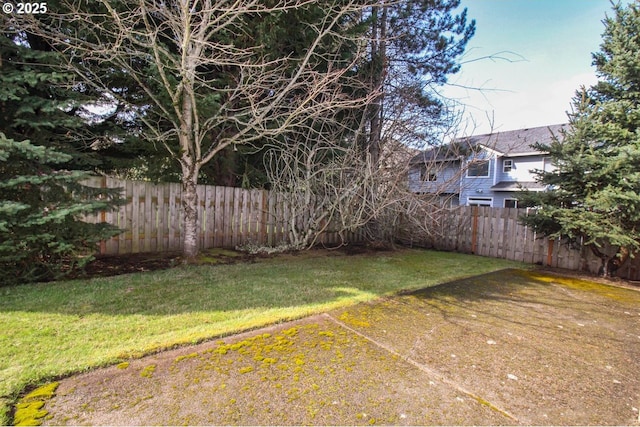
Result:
x=546 y=46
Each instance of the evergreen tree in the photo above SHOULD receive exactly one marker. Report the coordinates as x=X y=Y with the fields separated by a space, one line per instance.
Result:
x=42 y=103
x=594 y=197
x=42 y=236
x=415 y=45
x=42 y=129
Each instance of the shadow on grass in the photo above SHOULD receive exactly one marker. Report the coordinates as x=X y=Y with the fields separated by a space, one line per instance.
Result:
x=536 y=344
x=170 y=292
x=281 y=283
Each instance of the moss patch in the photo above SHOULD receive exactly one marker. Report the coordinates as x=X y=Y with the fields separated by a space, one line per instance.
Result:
x=29 y=410
x=147 y=371
x=218 y=256
x=45 y=392
x=605 y=290
x=29 y=414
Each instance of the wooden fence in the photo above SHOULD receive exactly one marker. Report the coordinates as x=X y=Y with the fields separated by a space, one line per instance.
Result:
x=230 y=217
x=497 y=233
x=227 y=217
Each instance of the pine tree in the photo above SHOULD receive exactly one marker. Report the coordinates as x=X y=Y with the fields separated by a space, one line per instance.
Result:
x=42 y=103
x=415 y=45
x=42 y=236
x=594 y=197
x=42 y=136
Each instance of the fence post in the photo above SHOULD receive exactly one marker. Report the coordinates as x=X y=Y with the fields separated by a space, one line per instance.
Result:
x=474 y=229
x=550 y=252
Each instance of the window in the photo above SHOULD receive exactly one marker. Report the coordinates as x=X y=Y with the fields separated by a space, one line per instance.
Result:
x=427 y=176
x=480 y=201
x=507 y=166
x=478 y=168
x=510 y=203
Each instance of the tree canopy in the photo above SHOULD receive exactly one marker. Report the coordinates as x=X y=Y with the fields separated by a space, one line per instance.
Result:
x=205 y=84
x=594 y=192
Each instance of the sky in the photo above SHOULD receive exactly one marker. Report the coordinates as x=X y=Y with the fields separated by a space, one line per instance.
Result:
x=537 y=54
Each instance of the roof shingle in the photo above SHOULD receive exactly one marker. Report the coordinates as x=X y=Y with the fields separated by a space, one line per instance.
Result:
x=510 y=143
x=517 y=142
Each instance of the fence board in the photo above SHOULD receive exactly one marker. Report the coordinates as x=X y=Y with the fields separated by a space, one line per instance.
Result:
x=227 y=240
x=246 y=217
x=255 y=208
x=218 y=217
x=496 y=231
x=510 y=242
x=163 y=218
x=175 y=201
x=229 y=217
x=277 y=219
x=209 y=212
x=263 y=219
x=201 y=212
x=236 y=215
x=464 y=224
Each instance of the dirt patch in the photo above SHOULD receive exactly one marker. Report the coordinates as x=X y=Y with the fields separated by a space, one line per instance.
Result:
x=113 y=265
x=511 y=347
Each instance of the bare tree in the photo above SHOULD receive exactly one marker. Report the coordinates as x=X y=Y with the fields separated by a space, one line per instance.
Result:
x=323 y=178
x=332 y=185
x=364 y=184
x=206 y=82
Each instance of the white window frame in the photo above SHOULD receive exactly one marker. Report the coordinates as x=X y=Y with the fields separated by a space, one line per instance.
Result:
x=428 y=175
x=507 y=163
x=477 y=163
x=504 y=203
x=480 y=201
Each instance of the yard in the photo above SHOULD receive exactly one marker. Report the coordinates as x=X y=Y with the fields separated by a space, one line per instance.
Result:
x=511 y=347
x=51 y=330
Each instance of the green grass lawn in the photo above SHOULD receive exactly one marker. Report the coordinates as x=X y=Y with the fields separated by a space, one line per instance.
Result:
x=54 y=329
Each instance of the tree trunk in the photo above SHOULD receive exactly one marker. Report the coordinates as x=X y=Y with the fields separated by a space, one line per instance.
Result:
x=190 y=210
x=378 y=75
x=610 y=264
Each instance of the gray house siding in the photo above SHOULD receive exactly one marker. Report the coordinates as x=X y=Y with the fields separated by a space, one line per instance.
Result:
x=447 y=178
x=500 y=198
x=521 y=168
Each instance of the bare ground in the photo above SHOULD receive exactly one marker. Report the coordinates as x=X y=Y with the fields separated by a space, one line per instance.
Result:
x=512 y=347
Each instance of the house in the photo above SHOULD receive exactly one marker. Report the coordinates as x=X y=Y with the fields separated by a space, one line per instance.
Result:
x=484 y=170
